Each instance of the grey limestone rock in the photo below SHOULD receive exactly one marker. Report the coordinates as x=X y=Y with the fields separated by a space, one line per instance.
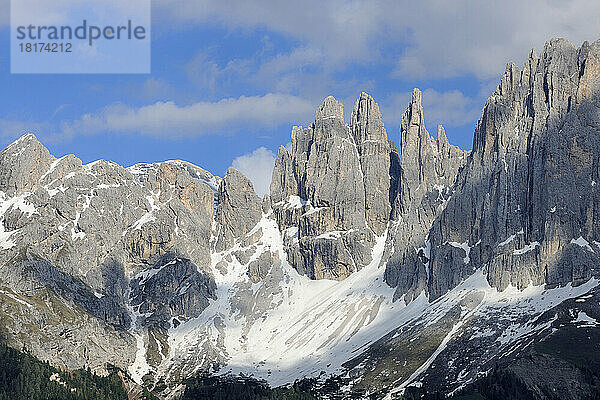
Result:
x=428 y=170
x=77 y=234
x=333 y=189
x=25 y=161
x=172 y=288
x=239 y=209
x=525 y=203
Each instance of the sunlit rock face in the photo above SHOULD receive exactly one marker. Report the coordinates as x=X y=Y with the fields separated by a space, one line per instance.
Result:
x=336 y=185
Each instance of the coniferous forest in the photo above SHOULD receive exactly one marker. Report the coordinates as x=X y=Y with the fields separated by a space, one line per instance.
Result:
x=236 y=388
x=24 y=377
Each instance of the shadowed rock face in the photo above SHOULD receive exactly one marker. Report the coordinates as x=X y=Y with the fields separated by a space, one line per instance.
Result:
x=428 y=171
x=173 y=287
x=239 y=208
x=526 y=203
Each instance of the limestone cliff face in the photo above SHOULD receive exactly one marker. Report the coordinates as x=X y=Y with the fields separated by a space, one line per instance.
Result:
x=428 y=171
x=331 y=193
x=525 y=206
x=28 y=160
x=522 y=203
x=378 y=161
x=239 y=209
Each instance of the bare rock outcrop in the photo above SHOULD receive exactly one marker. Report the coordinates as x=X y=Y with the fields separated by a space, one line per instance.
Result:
x=331 y=192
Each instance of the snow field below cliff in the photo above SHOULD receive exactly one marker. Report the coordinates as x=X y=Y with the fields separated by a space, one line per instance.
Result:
x=6 y=204
x=513 y=313
x=308 y=327
x=287 y=327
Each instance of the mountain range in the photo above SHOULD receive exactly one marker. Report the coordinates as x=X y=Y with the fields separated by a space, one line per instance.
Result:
x=386 y=269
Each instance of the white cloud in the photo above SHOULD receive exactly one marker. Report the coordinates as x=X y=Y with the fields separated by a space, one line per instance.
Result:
x=167 y=119
x=450 y=108
x=467 y=37
x=433 y=39
x=11 y=129
x=331 y=25
x=258 y=167
x=153 y=88
x=205 y=73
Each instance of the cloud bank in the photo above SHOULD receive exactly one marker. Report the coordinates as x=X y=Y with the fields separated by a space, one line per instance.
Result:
x=433 y=39
x=169 y=120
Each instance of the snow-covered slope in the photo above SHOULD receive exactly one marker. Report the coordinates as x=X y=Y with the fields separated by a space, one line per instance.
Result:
x=289 y=327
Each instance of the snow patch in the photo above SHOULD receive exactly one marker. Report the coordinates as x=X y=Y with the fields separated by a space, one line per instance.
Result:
x=507 y=241
x=585 y=320
x=150 y=272
x=333 y=234
x=52 y=167
x=149 y=216
x=465 y=246
x=15 y=298
x=581 y=242
x=310 y=325
x=6 y=204
x=140 y=366
x=511 y=303
x=531 y=246
x=296 y=202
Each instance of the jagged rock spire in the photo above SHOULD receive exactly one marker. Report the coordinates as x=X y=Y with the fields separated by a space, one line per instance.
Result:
x=416 y=143
x=283 y=181
x=376 y=163
x=425 y=160
x=340 y=175
x=428 y=170
x=366 y=121
x=239 y=208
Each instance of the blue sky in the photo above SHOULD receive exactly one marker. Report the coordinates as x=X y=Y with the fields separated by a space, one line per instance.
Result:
x=230 y=79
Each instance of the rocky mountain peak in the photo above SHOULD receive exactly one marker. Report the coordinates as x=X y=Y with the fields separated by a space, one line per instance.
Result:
x=442 y=139
x=239 y=208
x=414 y=136
x=331 y=108
x=366 y=121
x=22 y=164
x=428 y=171
x=336 y=185
x=422 y=155
x=414 y=113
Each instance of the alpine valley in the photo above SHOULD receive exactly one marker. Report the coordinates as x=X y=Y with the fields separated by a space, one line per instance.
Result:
x=371 y=270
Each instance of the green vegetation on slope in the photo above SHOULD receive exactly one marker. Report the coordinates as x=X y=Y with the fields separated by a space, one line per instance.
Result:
x=24 y=377
x=234 y=388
